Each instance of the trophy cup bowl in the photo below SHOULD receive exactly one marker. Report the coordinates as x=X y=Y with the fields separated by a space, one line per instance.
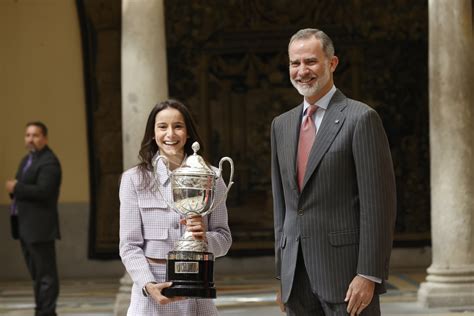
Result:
x=190 y=266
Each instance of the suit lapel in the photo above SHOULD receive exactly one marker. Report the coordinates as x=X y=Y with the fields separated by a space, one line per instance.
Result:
x=332 y=122
x=293 y=131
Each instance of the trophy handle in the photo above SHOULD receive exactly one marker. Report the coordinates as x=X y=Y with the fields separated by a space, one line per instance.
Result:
x=155 y=165
x=231 y=162
x=229 y=184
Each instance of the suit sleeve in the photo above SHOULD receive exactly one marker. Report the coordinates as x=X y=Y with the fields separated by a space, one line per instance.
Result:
x=377 y=195
x=218 y=233
x=46 y=186
x=18 y=175
x=131 y=236
x=278 y=201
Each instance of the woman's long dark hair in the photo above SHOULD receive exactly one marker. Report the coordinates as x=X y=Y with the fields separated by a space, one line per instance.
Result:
x=149 y=147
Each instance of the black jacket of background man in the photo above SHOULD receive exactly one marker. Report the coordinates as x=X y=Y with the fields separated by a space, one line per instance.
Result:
x=36 y=194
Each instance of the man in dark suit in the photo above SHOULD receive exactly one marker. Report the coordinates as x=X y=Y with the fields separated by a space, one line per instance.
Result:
x=334 y=192
x=34 y=215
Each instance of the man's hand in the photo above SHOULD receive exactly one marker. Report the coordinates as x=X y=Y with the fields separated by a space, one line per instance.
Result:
x=10 y=185
x=279 y=302
x=195 y=224
x=359 y=295
x=154 y=289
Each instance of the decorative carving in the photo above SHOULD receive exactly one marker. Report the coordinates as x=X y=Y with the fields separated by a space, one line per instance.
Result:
x=228 y=61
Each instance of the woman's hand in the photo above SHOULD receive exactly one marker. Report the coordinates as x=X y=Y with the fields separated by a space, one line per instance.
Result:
x=196 y=225
x=154 y=290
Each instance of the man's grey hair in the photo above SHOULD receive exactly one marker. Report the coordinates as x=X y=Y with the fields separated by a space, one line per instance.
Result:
x=328 y=46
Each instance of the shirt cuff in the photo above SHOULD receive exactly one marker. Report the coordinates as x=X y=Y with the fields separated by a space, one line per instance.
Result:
x=371 y=278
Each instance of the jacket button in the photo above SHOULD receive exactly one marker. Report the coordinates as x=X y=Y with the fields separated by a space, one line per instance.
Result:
x=300 y=212
x=176 y=225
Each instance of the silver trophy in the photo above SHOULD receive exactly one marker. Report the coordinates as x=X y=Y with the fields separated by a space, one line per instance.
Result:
x=189 y=265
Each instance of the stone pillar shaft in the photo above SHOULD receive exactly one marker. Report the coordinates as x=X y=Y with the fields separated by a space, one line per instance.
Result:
x=450 y=280
x=144 y=83
x=144 y=69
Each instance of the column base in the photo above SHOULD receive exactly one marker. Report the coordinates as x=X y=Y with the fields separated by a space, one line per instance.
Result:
x=122 y=300
x=433 y=294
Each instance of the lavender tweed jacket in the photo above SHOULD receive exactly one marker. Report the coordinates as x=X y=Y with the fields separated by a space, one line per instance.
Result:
x=149 y=228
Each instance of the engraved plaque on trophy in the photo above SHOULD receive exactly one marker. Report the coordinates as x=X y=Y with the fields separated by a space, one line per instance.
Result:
x=190 y=266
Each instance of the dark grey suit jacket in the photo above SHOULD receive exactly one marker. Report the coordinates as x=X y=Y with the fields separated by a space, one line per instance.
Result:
x=36 y=194
x=344 y=217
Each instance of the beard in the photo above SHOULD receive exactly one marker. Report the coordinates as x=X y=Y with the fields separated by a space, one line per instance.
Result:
x=31 y=147
x=314 y=89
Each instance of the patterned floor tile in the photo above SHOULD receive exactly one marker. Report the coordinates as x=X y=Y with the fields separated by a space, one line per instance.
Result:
x=237 y=295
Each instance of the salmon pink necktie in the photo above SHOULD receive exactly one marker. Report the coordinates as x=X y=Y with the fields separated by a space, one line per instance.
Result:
x=307 y=136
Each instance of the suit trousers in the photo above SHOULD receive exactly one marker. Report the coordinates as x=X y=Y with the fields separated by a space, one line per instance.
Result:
x=304 y=302
x=40 y=258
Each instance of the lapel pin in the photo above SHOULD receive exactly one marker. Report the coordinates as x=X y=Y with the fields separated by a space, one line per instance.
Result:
x=336 y=121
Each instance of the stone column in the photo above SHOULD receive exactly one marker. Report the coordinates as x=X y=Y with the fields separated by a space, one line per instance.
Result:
x=144 y=83
x=450 y=280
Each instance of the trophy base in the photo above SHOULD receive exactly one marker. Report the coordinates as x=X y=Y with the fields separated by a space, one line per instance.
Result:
x=192 y=274
x=188 y=290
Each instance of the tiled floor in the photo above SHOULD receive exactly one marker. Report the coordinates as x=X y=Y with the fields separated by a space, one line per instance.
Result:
x=237 y=295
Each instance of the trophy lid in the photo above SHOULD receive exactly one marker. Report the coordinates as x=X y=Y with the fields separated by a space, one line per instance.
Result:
x=194 y=165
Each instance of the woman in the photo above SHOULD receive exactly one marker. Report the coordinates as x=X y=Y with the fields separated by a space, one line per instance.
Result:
x=149 y=228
